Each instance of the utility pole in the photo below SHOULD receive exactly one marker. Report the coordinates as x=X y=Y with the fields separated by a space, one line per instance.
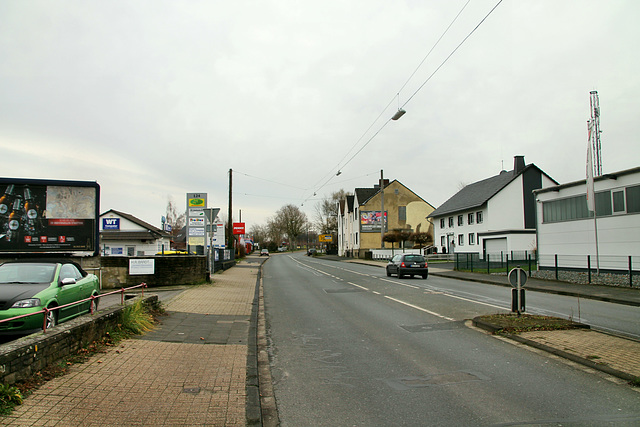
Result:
x=382 y=218
x=230 y=220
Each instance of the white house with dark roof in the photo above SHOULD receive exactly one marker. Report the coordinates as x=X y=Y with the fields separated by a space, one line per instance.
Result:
x=122 y=234
x=494 y=216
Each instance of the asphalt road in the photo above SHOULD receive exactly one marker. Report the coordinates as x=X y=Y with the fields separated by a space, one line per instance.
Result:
x=349 y=346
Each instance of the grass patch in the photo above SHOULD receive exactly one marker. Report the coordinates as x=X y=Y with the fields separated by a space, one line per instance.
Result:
x=512 y=323
x=135 y=319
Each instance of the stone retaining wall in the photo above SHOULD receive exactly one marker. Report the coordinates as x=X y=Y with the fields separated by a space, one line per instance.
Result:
x=21 y=358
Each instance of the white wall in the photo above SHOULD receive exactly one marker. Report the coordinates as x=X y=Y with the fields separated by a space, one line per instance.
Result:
x=618 y=235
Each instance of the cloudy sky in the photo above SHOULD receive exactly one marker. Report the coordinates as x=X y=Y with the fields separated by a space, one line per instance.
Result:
x=154 y=99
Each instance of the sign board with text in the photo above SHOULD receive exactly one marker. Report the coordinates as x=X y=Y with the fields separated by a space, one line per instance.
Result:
x=196 y=220
x=49 y=216
x=238 y=228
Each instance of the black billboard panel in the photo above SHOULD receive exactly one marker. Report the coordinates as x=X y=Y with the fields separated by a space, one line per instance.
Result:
x=48 y=216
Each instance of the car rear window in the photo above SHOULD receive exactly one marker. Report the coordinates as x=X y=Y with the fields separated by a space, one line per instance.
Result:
x=414 y=258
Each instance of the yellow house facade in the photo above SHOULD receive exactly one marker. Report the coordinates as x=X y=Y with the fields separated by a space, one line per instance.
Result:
x=360 y=222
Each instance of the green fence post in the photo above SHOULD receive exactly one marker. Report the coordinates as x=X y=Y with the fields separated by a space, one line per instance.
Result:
x=488 y=265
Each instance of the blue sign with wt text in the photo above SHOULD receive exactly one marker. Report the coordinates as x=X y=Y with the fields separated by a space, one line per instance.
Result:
x=111 y=223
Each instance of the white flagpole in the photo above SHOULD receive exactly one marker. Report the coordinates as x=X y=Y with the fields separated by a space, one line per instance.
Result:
x=591 y=194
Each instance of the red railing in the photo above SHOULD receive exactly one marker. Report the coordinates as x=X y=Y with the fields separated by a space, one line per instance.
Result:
x=47 y=310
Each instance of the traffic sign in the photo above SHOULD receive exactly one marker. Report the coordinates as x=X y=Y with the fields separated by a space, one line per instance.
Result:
x=517 y=275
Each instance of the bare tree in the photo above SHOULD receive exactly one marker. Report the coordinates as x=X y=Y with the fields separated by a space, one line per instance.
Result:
x=291 y=221
x=174 y=217
x=421 y=239
x=326 y=214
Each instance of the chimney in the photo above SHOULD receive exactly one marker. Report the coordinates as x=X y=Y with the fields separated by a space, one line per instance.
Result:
x=385 y=182
x=518 y=164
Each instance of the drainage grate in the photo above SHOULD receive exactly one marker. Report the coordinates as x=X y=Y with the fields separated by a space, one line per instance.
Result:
x=191 y=390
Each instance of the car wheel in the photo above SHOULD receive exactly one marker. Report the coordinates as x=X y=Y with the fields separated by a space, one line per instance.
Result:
x=400 y=276
x=411 y=275
x=52 y=318
x=424 y=276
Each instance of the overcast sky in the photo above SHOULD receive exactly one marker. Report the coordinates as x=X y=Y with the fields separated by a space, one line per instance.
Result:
x=154 y=99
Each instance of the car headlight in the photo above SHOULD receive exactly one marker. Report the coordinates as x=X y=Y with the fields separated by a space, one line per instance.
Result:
x=26 y=303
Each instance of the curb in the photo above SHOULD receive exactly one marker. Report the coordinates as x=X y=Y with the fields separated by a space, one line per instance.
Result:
x=545 y=290
x=577 y=359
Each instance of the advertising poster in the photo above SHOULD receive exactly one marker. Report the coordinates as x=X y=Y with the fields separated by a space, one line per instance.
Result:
x=371 y=221
x=37 y=216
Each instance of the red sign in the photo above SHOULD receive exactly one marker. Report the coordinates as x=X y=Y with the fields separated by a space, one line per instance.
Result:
x=238 y=228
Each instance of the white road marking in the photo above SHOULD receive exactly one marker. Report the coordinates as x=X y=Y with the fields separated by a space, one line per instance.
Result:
x=421 y=309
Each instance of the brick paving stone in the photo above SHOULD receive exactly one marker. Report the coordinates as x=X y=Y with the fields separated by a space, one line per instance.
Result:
x=154 y=383
x=618 y=353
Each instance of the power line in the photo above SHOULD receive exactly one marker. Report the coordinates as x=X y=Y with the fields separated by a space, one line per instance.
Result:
x=451 y=54
x=341 y=165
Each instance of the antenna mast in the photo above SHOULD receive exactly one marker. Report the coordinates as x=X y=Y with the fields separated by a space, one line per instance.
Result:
x=595 y=122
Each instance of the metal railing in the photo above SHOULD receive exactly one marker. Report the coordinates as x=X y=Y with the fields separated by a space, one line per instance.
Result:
x=47 y=310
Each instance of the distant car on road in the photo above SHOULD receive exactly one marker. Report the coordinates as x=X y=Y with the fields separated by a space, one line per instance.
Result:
x=30 y=286
x=264 y=252
x=408 y=265
x=312 y=251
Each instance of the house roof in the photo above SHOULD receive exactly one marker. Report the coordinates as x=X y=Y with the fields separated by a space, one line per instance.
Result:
x=350 y=203
x=613 y=175
x=364 y=194
x=151 y=233
x=477 y=194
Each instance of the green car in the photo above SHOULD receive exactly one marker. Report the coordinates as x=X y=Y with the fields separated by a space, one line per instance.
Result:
x=30 y=286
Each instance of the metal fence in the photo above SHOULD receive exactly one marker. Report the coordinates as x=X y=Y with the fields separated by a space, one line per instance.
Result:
x=610 y=264
x=495 y=261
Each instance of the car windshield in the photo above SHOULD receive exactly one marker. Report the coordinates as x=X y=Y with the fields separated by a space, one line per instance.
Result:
x=414 y=258
x=26 y=273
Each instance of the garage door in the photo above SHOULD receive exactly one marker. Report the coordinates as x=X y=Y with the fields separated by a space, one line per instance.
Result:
x=494 y=247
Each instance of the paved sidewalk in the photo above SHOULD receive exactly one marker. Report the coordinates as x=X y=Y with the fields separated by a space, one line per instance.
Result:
x=191 y=370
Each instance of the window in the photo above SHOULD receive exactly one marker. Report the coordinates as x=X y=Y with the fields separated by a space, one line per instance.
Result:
x=470 y=219
x=442 y=224
x=618 y=201
x=460 y=239
x=472 y=239
x=402 y=213
x=131 y=250
x=443 y=240
x=450 y=222
x=479 y=217
x=460 y=220
x=603 y=203
x=633 y=199
x=69 y=271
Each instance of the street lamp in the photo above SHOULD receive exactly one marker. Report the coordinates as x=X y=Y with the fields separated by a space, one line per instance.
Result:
x=398 y=114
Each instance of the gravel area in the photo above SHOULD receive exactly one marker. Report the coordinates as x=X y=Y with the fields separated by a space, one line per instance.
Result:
x=580 y=277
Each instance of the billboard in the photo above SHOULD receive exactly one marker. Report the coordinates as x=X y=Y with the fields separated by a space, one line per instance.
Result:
x=49 y=216
x=371 y=221
x=325 y=238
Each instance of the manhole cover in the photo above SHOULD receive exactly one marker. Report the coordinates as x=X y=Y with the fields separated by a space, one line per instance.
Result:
x=192 y=390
